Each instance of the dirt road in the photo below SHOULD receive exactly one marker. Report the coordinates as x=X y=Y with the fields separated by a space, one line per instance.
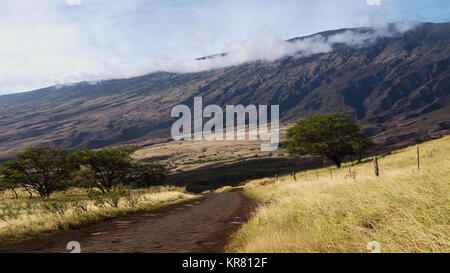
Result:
x=202 y=225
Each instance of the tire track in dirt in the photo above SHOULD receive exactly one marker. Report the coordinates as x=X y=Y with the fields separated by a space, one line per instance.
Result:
x=203 y=225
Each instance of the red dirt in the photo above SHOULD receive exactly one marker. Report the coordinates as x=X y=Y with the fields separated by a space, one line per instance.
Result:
x=203 y=225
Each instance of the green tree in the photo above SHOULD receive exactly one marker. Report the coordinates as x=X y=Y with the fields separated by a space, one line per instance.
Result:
x=113 y=166
x=43 y=169
x=330 y=135
x=147 y=174
x=108 y=167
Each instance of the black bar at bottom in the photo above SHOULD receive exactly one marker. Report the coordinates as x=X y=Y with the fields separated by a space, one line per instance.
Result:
x=217 y=262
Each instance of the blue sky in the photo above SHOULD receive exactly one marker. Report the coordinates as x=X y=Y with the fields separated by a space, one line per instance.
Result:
x=47 y=42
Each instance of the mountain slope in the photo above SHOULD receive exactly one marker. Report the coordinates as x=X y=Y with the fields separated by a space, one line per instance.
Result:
x=397 y=87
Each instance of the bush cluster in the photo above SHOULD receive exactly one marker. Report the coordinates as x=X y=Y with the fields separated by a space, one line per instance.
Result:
x=47 y=170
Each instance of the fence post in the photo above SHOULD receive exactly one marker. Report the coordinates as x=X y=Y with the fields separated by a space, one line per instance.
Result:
x=317 y=175
x=418 y=157
x=293 y=174
x=375 y=166
x=331 y=174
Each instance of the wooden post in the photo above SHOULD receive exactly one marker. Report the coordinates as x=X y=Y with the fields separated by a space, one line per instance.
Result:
x=306 y=174
x=293 y=174
x=349 y=171
x=375 y=166
x=331 y=174
x=317 y=175
x=418 y=157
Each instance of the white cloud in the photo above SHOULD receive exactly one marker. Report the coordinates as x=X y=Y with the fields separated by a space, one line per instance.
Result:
x=378 y=20
x=73 y=2
x=374 y=2
x=102 y=39
x=405 y=26
x=266 y=48
x=271 y=47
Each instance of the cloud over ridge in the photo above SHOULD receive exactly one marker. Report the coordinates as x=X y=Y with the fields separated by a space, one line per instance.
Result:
x=51 y=42
x=271 y=48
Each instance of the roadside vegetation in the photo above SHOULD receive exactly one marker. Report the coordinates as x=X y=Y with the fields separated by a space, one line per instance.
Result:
x=45 y=190
x=333 y=209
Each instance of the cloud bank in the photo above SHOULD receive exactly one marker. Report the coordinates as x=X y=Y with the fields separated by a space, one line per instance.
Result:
x=271 y=47
x=51 y=42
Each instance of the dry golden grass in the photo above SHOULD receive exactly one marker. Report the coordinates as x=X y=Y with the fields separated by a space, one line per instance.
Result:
x=404 y=209
x=27 y=218
x=194 y=154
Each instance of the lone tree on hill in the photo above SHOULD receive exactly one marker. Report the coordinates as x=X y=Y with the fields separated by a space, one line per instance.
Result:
x=330 y=135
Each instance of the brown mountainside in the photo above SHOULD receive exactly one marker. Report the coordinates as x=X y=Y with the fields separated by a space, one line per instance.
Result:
x=398 y=88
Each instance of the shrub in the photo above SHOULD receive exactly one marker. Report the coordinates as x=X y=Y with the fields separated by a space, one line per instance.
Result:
x=144 y=175
x=111 y=197
x=56 y=207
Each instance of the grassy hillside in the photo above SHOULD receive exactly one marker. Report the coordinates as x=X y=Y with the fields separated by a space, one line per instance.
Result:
x=404 y=209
